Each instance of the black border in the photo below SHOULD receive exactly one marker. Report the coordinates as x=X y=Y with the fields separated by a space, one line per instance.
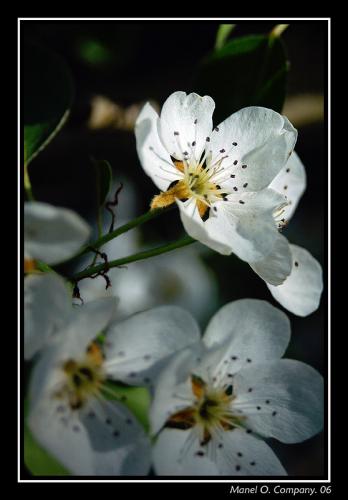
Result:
x=147 y=480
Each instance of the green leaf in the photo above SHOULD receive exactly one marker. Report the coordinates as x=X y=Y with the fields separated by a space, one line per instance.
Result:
x=247 y=71
x=222 y=34
x=47 y=96
x=104 y=180
x=95 y=52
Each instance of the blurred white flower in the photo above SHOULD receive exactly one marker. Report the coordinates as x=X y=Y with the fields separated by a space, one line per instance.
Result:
x=70 y=413
x=235 y=186
x=215 y=401
x=51 y=234
x=178 y=278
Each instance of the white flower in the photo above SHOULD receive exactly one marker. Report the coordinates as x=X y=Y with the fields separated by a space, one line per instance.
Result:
x=235 y=186
x=51 y=234
x=178 y=278
x=215 y=402
x=70 y=415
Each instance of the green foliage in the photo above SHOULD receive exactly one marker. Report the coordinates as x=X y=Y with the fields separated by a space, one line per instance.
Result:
x=47 y=96
x=247 y=71
x=94 y=52
x=222 y=34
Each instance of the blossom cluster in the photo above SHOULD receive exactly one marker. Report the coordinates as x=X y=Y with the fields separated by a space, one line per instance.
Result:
x=216 y=398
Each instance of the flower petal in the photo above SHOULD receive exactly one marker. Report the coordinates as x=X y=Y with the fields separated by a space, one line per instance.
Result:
x=259 y=140
x=153 y=156
x=281 y=399
x=88 y=322
x=178 y=453
x=246 y=229
x=98 y=441
x=70 y=342
x=170 y=459
x=56 y=434
x=301 y=291
x=137 y=347
x=47 y=308
x=196 y=228
x=251 y=330
x=173 y=390
x=291 y=182
x=185 y=124
x=52 y=234
x=119 y=443
x=276 y=266
x=242 y=454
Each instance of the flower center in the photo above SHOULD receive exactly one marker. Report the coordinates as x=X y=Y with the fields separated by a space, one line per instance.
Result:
x=210 y=412
x=198 y=183
x=83 y=378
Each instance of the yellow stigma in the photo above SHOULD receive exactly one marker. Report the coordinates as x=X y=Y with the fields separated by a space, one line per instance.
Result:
x=196 y=183
x=83 y=378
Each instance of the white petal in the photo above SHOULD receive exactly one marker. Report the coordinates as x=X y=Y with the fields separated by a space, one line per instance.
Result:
x=137 y=347
x=275 y=267
x=170 y=460
x=246 y=229
x=281 y=399
x=56 y=434
x=291 y=182
x=70 y=343
x=252 y=331
x=154 y=157
x=178 y=453
x=47 y=307
x=98 y=441
x=119 y=443
x=301 y=291
x=52 y=234
x=242 y=454
x=185 y=123
x=196 y=228
x=173 y=389
x=47 y=375
x=88 y=322
x=258 y=139
x=252 y=232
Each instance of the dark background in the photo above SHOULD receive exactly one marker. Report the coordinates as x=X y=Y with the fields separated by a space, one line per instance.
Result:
x=131 y=62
